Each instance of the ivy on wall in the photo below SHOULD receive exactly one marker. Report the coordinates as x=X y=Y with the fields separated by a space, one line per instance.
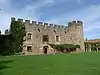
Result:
x=65 y=47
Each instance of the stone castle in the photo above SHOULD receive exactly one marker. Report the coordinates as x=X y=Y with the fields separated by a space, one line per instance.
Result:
x=39 y=35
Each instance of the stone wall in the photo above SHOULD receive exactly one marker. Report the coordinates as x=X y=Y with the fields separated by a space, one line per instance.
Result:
x=71 y=34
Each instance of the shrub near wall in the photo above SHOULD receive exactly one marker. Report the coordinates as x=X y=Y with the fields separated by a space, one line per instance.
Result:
x=65 y=47
x=5 y=45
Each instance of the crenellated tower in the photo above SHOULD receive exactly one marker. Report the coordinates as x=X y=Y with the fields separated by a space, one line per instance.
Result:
x=75 y=31
x=56 y=34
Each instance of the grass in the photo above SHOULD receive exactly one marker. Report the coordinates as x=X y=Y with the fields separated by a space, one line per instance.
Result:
x=60 y=64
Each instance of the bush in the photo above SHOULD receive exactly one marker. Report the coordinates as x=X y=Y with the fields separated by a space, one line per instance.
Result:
x=65 y=47
x=5 y=45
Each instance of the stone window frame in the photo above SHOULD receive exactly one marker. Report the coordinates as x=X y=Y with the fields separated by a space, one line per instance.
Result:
x=27 y=49
x=54 y=31
x=27 y=35
x=65 y=32
x=58 y=38
x=38 y=30
x=46 y=37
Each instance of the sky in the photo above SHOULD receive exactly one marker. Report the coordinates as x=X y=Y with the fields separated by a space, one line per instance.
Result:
x=54 y=11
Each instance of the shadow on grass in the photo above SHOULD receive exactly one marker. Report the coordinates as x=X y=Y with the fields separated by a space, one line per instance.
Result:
x=3 y=65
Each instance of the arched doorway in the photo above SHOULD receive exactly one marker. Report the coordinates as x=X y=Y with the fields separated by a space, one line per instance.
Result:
x=45 y=49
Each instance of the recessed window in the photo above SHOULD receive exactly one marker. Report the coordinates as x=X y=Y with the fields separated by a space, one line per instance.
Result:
x=70 y=38
x=54 y=31
x=29 y=36
x=57 y=38
x=38 y=30
x=29 y=48
x=45 y=38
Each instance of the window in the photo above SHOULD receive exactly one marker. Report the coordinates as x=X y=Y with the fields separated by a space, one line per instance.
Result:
x=54 y=31
x=45 y=38
x=70 y=38
x=29 y=37
x=57 y=38
x=65 y=32
x=38 y=30
x=29 y=48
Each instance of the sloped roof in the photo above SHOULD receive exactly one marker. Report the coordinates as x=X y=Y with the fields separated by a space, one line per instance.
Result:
x=92 y=41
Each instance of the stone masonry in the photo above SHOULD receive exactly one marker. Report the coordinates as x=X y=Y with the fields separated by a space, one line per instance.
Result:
x=39 y=34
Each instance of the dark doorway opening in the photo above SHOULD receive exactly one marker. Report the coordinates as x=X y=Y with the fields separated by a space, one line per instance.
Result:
x=45 y=49
x=98 y=49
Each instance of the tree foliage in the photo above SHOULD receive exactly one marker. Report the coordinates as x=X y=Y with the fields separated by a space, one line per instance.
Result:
x=65 y=47
x=94 y=46
x=0 y=32
x=5 y=45
x=17 y=30
x=13 y=42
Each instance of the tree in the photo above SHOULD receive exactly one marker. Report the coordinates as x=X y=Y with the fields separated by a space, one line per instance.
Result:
x=6 y=32
x=17 y=30
x=0 y=32
x=5 y=45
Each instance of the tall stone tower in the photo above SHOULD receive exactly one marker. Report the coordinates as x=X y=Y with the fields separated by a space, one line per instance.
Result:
x=75 y=31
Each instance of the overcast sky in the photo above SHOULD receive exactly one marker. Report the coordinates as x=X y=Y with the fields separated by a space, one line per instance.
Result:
x=54 y=11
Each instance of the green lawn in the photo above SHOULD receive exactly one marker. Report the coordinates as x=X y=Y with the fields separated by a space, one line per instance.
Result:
x=59 y=64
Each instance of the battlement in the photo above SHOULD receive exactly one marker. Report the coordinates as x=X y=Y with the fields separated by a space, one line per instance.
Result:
x=58 y=34
x=20 y=20
x=75 y=23
x=34 y=22
x=55 y=26
x=13 y=19
x=38 y=23
x=65 y=28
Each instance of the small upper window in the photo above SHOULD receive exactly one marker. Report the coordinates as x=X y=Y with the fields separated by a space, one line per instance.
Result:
x=65 y=32
x=57 y=38
x=29 y=37
x=70 y=38
x=38 y=30
x=54 y=31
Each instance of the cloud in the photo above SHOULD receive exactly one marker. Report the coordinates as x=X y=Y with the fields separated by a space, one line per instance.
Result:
x=88 y=15
x=52 y=11
x=79 y=1
x=4 y=16
x=49 y=1
x=27 y=12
